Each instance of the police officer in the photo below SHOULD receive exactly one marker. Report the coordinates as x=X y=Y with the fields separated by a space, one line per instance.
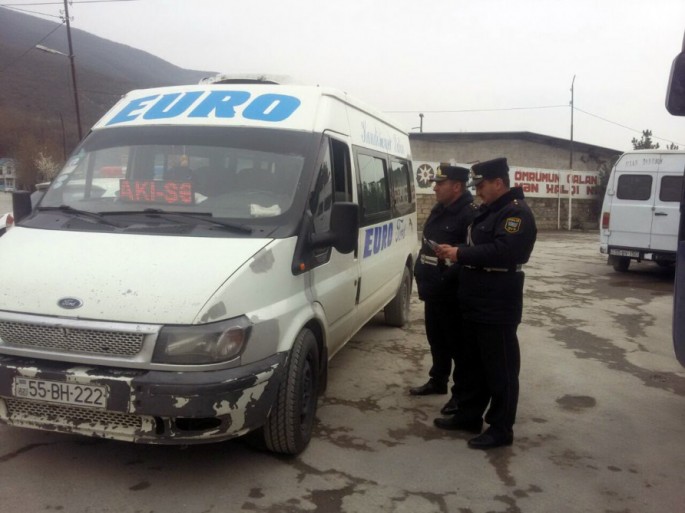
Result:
x=500 y=240
x=436 y=278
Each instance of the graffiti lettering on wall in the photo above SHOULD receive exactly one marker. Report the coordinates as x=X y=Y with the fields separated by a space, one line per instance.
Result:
x=536 y=183
x=546 y=183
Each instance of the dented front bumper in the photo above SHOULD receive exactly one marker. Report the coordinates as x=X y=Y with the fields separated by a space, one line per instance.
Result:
x=145 y=406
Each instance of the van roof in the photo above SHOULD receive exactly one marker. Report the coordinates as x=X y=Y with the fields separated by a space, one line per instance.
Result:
x=247 y=78
x=262 y=105
x=654 y=150
x=232 y=104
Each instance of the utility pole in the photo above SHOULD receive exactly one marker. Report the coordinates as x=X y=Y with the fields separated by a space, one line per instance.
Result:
x=570 y=163
x=73 y=70
x=421 y=122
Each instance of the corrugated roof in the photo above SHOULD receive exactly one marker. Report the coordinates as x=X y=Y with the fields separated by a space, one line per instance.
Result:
x=526 y=136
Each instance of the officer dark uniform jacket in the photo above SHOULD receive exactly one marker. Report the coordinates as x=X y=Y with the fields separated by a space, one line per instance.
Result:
x=501 y=239
x=435 y=279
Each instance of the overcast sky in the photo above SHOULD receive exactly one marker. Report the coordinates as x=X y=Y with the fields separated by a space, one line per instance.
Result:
x=467 y=65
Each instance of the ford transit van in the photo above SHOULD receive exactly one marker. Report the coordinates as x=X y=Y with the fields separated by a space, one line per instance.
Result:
x=640 y=213
x=202 y=255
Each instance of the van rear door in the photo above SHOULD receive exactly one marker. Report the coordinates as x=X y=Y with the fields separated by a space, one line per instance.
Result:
x=667 y=203
x=632 y=205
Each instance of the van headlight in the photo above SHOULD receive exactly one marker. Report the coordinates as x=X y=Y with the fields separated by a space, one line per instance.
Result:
x=202 y=343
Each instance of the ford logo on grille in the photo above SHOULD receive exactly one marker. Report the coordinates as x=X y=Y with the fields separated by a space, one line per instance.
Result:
x=70 y=303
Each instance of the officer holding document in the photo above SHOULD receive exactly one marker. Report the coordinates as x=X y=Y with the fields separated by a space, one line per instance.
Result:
x=436 y=278
x=500 y=240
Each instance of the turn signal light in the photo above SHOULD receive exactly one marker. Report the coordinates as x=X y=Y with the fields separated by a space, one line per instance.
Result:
x=605 y=220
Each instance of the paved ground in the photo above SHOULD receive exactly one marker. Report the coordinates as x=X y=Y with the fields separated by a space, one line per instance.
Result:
x=601 y=425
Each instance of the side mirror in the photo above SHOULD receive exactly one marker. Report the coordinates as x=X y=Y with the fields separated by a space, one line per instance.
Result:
x=344 y=230
x=21 y=205
x=675 y=94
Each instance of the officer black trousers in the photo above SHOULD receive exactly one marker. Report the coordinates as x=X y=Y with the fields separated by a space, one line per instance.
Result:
x=489 y=364
x=442 y=328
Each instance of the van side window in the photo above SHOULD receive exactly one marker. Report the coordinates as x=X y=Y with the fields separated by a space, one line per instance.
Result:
x=342 y=175
x=321 y=198
x=671 y=187
x=373 y=183
x=333 y=183
x=402 y=186
x=634 y=187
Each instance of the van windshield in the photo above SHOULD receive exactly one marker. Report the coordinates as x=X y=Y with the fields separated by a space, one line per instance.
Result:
x=242 y=174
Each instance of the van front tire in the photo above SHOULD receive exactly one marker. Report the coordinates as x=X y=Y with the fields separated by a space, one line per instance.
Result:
x=288 y=429
x=397 y=311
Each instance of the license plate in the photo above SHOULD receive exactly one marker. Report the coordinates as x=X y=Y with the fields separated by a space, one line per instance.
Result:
x=624 y=252
x=75 y=394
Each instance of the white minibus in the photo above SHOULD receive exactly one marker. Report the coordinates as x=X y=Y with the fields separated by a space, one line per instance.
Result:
x=640 y=213
x=202 y=255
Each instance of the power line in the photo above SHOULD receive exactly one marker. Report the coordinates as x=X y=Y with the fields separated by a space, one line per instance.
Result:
x=31 y=48
x=472 y=110
x=72 y=2
x=29 y=12
x=446 y=111
x=624 y=126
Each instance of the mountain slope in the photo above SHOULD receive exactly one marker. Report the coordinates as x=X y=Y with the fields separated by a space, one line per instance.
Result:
x=36 y=85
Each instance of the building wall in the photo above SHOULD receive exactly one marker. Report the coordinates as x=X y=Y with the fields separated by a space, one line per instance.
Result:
x=7 y=174
x=527 y=150
x=550 y=214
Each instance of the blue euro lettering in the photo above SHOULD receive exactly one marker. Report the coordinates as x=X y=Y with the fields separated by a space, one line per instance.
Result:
x=222 y=103
x=271 y=107
x=171 y=105
x=367 y=242
x=378 y=238
x=132 y=110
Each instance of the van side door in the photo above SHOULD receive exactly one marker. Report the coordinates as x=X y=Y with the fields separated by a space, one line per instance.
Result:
x=334 y=276
x=381 y=255
x=667 y=202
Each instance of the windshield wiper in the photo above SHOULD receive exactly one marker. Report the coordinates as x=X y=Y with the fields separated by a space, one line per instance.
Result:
x=205 y=217
x=67 y=209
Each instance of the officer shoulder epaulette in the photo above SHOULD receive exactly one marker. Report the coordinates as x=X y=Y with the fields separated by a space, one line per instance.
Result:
x=473 y=206
x=515 y=202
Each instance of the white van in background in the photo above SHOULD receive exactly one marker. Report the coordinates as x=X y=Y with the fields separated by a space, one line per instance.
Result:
x=640 y=213
x=203 y=253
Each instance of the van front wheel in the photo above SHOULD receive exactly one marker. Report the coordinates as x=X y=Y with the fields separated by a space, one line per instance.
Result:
x=620 y=264
x=397 y=311
x=289 y=426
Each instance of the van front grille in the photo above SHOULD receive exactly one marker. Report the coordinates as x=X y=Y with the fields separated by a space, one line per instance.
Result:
x=21 y=411
x=73 y=340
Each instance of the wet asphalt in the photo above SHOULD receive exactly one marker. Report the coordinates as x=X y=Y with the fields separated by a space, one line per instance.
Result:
x=600 y=426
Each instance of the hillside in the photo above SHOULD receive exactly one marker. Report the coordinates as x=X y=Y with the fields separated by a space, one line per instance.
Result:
x=35 y=86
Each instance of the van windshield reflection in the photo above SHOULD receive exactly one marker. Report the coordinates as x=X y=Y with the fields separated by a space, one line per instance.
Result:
x=217 y=172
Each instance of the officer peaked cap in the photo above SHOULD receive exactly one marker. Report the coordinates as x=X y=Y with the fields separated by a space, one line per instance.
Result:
x=459 y=174
x=489 y=170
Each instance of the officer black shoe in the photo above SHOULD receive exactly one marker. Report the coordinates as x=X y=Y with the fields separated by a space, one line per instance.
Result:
x=430 y=388
x=490 y=440
x=450 y=408
x=457 y=423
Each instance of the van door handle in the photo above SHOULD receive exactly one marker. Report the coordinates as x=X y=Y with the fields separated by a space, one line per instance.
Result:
x=660 y=214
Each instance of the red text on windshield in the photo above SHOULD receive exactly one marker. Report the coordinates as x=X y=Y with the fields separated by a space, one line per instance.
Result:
x=155 y=191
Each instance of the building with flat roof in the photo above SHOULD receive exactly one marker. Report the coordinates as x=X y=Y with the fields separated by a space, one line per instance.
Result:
x=562 y=183
x=8 y=176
